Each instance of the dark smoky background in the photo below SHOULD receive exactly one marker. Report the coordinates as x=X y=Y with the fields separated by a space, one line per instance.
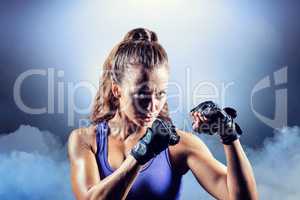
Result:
x=239 y=54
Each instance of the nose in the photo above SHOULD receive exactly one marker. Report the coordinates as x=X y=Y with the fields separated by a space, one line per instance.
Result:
x=152 y=104
x=147 y=104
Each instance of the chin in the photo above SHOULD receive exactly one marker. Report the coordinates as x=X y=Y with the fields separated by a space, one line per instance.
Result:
x=147 y=124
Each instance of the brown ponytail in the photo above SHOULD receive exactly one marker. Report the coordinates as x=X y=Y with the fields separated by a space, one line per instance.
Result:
x=139 y=46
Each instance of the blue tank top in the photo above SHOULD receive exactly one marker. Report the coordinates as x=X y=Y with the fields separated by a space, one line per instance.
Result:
x=156 y=180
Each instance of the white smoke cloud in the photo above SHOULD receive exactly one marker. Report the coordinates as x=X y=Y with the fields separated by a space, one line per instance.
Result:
x=276 y=167
x=30 y=139
x=33 y=166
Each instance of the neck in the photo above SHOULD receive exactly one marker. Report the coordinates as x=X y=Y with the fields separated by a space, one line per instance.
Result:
x=122 y=128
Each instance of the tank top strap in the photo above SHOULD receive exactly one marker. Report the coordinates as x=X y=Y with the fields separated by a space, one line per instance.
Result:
x=102 y=129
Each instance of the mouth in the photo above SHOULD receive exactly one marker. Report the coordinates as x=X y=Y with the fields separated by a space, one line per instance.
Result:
x=147 y=117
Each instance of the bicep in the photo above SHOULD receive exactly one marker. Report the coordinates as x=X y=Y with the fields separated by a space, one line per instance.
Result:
x=83 y=165
x=209 y=172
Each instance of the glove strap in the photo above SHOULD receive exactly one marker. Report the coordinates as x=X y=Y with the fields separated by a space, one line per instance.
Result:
x=228 y=139
x=141 y=151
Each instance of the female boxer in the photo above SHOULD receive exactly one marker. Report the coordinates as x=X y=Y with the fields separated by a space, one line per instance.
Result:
x=132 y=150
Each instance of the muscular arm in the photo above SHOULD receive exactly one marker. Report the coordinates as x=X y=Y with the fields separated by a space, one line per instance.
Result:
x=86 y=183
x=117 y=185
x=236 y=181
x=240 y=179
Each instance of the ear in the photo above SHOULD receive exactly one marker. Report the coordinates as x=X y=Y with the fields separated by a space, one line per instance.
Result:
x=116 y=90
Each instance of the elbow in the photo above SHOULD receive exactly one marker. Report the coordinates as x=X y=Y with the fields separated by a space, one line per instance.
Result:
x=248 y=197
x=244 y=195
x=253 y=195
x=251 y=191
x=100 y=193
x=93 y=194
x=244 y=189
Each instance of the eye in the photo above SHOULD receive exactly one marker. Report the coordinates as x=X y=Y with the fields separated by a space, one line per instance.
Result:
x=161 y=94
x=140 y=95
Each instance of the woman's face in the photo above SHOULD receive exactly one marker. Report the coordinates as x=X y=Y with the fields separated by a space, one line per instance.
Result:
x=143 y=94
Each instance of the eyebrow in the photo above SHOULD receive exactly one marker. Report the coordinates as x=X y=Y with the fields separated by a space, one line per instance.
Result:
x=150 y=90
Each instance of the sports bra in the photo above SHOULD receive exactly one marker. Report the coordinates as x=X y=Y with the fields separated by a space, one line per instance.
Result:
x=156 y=180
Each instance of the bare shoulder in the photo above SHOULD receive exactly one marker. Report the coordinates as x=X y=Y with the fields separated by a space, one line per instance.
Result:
x=82 y=139
x=189 y=145
x=189 y=142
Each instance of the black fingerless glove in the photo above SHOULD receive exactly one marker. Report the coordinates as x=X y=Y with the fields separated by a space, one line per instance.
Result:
x=218 y=121
x=156 y=139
